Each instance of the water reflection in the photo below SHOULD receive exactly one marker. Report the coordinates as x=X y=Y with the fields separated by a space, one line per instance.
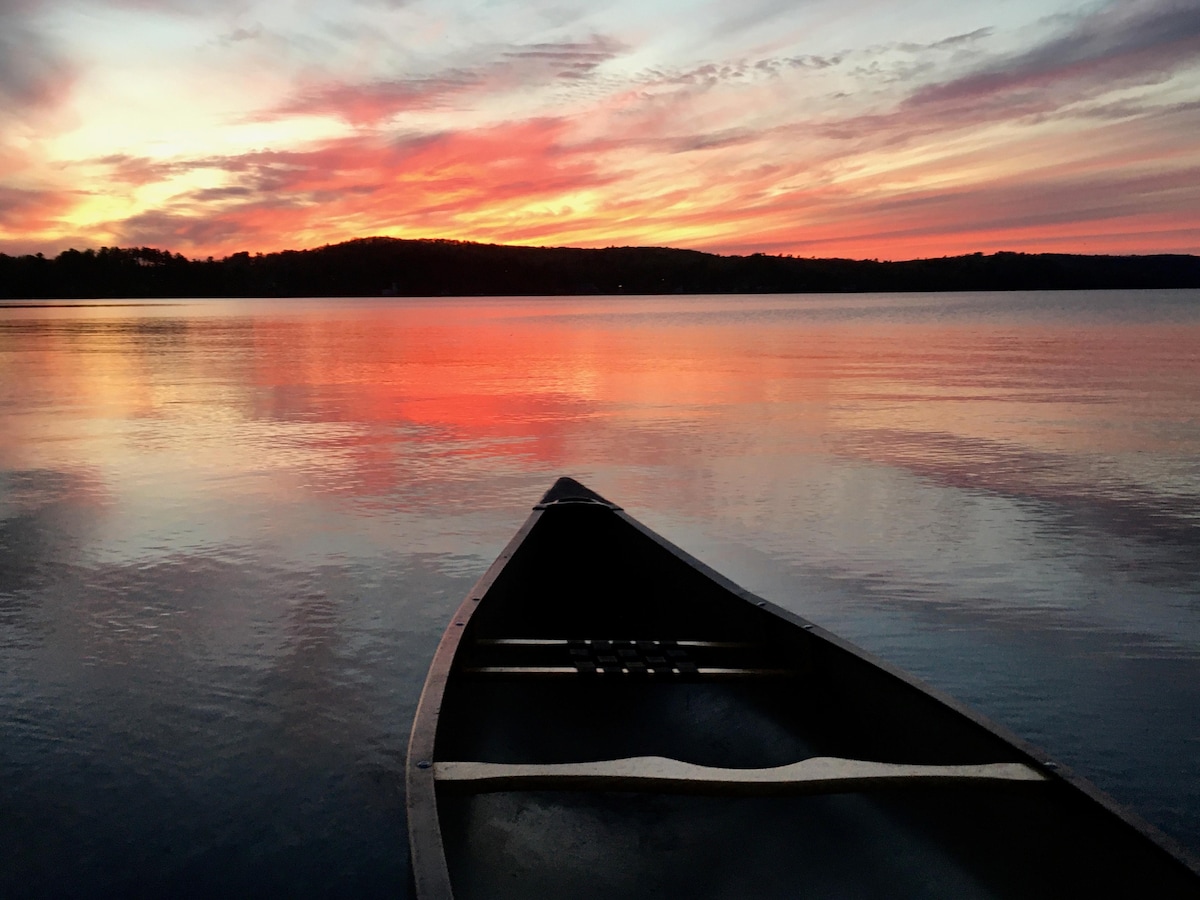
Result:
x=1074 y=496
x=231 y=532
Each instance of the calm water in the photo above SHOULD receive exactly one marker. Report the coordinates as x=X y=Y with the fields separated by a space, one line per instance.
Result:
x=232 y=531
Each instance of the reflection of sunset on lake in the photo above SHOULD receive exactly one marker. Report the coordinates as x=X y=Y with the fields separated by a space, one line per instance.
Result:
x=531 y=378
x=231 y=533
x=362 y=396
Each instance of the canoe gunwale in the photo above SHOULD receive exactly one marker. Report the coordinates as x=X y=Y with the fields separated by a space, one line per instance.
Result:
x=430 y=873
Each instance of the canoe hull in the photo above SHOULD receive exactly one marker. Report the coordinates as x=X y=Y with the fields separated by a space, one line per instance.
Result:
x=593 y=639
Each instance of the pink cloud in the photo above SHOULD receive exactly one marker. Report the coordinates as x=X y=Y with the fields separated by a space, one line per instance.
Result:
x=33 y=210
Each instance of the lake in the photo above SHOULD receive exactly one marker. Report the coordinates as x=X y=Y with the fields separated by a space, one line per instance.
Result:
x=231 y=533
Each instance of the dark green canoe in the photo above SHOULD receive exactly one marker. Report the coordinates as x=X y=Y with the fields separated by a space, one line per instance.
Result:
x=606 y=717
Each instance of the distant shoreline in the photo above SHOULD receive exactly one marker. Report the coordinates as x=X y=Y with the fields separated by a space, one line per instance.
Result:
x=374 y=267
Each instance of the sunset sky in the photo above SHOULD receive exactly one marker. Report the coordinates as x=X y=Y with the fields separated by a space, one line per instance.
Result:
x=855 y=128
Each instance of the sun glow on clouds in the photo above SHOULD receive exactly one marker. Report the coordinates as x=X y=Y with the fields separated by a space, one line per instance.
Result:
x=865 y=128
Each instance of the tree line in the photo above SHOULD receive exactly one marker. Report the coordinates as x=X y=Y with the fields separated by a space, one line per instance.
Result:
x=421 y=268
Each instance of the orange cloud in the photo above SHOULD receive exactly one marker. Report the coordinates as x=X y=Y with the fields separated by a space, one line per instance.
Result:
x=31 y=210
x=368 y=185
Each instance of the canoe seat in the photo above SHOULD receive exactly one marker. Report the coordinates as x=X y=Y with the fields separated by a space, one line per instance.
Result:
x=818 y=775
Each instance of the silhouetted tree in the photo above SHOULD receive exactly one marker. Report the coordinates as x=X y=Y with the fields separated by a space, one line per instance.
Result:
x=375 y=266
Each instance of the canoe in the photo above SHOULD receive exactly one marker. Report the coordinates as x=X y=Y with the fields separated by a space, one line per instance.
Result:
x=607 y=717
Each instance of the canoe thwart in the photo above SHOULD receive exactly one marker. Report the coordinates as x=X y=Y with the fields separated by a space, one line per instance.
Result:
x=818 y=775
x=688 y=659
x=616 y=669
x=564 y=642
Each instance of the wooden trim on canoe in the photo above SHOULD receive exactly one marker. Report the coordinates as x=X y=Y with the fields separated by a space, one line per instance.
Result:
x=818 y=775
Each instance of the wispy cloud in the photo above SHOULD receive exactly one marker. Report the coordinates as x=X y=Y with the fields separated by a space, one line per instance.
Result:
x=517 y=69
x=739 y=71
x=565 y=60
x=185 y=230
x=1084 y=69
x=239 y=35
x=374 y=102
x=189 y=8
x=34 y=72
x=1137 y=42
x=955 y=40
x=752 y=14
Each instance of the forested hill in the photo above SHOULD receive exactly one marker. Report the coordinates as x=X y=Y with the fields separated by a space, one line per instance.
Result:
x=386 y=266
